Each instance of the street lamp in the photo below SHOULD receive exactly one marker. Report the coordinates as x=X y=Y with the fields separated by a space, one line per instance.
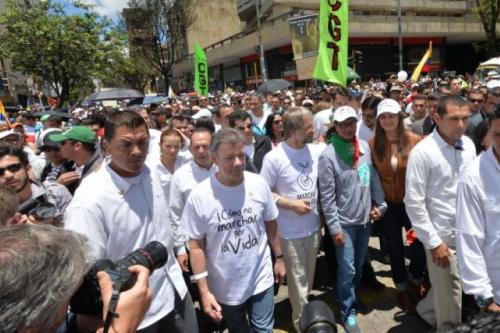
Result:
x=263 y=70
x=400 y=37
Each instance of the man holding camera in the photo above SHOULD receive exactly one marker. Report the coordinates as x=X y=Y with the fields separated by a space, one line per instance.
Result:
x=121 y=207
x=14 y=169
x=35 y=287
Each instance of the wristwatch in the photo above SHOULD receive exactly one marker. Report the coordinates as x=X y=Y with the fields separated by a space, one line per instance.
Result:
x=483 y=302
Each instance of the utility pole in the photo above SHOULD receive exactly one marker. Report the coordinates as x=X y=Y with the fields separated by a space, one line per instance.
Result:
x=263 y=70
x=400 y=35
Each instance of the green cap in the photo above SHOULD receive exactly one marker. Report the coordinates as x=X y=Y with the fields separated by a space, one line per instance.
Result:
x=45 y=117
x=77 y=133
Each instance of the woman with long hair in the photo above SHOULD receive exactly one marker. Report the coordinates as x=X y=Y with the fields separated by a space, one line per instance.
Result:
x=274 y=128
x=391 y=146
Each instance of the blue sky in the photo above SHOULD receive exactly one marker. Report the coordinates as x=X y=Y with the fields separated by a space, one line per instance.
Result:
x=104 y=7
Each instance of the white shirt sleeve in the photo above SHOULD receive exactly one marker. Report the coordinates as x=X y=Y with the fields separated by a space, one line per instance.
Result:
x=268 y=172
x=470 y=237
x=417 y=177
x=175 y=213
x=271 y=210
x=192 y=224
x=88 y=223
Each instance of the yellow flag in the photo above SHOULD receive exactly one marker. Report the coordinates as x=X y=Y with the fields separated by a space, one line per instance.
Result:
x=4 y=114
x=418 y=69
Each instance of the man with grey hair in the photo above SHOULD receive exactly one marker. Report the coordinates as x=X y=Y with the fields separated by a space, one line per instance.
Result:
x=291 y=171
x=229 y=238
x=42 y=266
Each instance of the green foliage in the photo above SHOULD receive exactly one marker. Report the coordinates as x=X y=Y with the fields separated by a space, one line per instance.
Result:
x=488 y=11
x=66 y=51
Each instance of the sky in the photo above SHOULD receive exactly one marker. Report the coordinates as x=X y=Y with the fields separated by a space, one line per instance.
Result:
x=103 y=7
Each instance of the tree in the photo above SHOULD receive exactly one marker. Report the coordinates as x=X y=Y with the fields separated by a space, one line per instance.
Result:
x=66 y=51
x=126 y=69
x=488 y=11
x=162 y=26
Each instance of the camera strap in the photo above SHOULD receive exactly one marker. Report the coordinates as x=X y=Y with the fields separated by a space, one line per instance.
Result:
x=113 y=302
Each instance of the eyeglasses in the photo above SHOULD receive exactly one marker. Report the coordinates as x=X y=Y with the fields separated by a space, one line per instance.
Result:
x=278 y=122
x=344 y=125
x=243 y=127
x=473 y=100
x=11 y=168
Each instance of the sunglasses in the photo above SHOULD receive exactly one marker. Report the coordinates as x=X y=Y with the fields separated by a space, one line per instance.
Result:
x=243 y=127
x=11 y=168
x=473 y=100
x=278 y=122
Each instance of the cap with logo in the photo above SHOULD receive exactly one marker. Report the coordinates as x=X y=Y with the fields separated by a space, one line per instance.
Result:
x=77 y=133
x=45 y=140
x=343 y=113
x=388 y=106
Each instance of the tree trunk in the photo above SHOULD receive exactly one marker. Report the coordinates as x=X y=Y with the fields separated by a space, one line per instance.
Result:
x=166 y=83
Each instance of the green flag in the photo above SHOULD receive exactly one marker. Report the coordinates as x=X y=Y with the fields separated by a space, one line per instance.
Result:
x=200 y=71
x=331 y=64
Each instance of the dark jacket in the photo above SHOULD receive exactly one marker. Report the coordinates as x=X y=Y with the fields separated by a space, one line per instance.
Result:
x=68 y=166
x=262 y=146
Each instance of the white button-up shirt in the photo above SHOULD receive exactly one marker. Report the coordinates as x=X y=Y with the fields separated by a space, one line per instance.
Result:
x=431 y=187
x=182 y=183
x=119 y=215
x=478 y=227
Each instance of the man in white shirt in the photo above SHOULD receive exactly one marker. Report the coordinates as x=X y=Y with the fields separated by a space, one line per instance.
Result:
x=324 y=119
x=183 y=181
x=478 y=214
x=434 y=166
x=259 y=115
x=121 y=207
x=229 y=240
x=291 y=171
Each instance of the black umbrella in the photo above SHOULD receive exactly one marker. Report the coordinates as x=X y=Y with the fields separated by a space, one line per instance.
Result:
x=148 y=100
x=114 y=94
x=273 y=86
x=51 y=113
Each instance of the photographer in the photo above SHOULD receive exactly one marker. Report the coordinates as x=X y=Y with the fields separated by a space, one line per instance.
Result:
x=42 y=266
x=14 y=168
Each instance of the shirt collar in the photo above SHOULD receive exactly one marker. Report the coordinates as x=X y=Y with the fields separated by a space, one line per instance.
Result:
x=459 y=145
x=123 y=184
x=490 y=154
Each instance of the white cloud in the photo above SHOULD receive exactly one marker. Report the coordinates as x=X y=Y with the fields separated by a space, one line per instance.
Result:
x=107 y=7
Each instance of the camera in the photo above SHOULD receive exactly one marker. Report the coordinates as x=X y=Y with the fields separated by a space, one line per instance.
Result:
x=38 y=207
x=317 y=317
x=87 y=299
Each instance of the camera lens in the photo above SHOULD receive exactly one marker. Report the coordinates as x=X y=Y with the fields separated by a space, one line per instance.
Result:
x=158 y=254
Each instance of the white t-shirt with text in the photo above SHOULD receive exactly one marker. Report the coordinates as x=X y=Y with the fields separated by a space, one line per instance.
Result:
x=232 y=222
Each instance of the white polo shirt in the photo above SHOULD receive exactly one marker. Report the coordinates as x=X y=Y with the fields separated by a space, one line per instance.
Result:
x=119 y=215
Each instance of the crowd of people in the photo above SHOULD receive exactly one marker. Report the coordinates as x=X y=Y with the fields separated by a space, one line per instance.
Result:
x=243 y=189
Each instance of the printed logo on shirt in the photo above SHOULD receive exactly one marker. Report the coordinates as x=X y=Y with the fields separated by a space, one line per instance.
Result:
x=364 y=173
x=304 y=180
x=235 y=221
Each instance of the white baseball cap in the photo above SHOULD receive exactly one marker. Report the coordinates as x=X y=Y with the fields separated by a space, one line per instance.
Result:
x=343 y=113
x=5 y=134
x=388 y=106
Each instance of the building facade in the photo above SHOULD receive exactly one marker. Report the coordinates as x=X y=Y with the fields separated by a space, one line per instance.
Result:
x=373 y=33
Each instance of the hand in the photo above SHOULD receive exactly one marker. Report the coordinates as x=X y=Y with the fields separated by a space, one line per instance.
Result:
x=211 y=307
x=301 y=206
x=375 y=214
x=440 y=255
x=339 y=239
x=133 y=303
x=183 y=260
x=493 y=307
x=68 y=178
x=279 y=271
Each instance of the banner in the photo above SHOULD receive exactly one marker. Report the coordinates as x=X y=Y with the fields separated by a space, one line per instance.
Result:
x=305 y=36
x=200 y=71
x=418 y=69
x=331 y=64
x=4 y=114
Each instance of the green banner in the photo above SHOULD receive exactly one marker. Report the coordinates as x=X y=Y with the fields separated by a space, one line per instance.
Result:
x=331 y=64
x=200 y=71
